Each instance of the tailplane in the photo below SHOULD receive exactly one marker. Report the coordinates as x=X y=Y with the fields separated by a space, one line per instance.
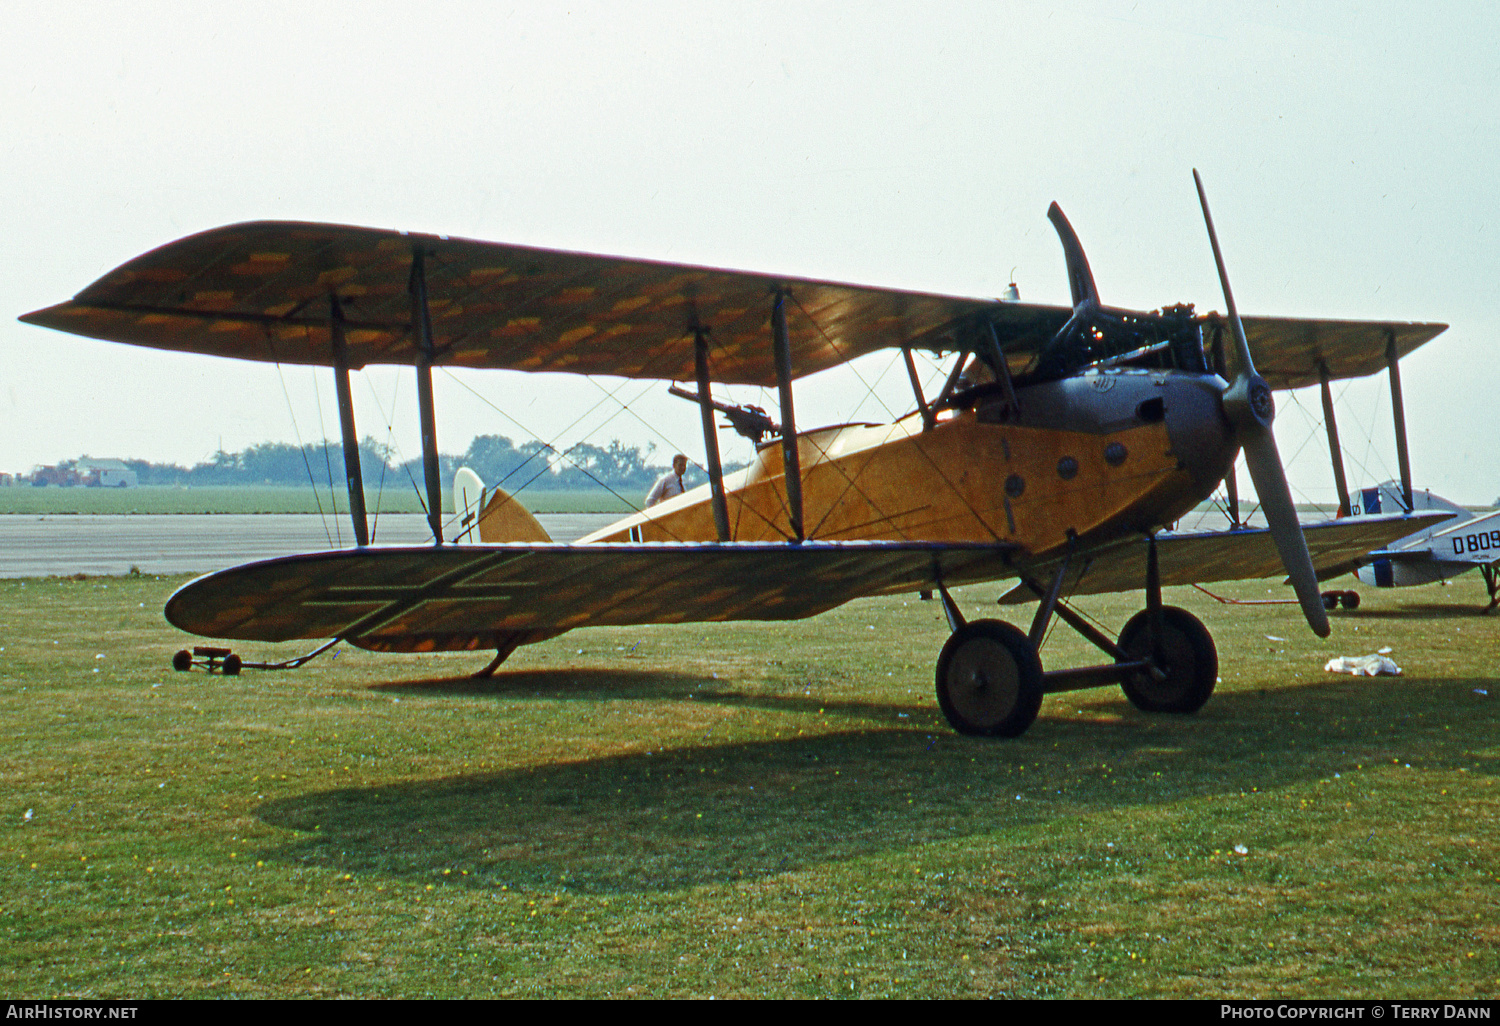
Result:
x=491 y=514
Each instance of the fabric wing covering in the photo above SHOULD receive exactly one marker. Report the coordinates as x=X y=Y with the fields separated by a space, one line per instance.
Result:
x=1336 y=547
x=260 y=291
x=473 y=597
x=264 y=290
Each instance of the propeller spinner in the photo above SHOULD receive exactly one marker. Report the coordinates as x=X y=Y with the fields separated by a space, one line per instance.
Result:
x=1251 y=408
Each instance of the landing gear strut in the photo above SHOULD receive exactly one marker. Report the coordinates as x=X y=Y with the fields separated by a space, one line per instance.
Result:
x=990 y=680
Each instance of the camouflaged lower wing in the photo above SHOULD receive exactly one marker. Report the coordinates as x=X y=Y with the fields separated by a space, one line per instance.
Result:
x=474 y=597
x=1336 y=546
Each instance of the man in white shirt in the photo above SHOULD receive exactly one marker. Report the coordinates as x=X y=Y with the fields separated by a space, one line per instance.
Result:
x=670 y=483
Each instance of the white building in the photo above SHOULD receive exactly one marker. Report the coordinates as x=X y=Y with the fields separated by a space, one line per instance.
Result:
x=105 y=474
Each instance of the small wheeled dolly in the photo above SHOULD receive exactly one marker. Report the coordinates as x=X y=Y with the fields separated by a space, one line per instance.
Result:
x=1334 y=599
x=221 y=660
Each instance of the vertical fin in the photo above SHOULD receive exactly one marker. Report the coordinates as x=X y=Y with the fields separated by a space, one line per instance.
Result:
x=504 y=519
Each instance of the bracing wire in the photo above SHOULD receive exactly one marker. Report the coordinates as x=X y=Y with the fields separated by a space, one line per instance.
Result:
x=390 y=446
x=1313 y=424
x=879 y=378
x=548 y=446
x=566 y=454
x=922 y=452
x=675 y=446
x=740 y=506
x=850 y=482
x=1100 y=624
x=333 y=495
x=297 y=433
x=1384 y=471
x=869 y=389
x=393 y=446
x=1362 y=465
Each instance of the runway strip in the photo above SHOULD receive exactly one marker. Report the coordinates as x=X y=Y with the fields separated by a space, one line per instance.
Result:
x=61 y=545
x=52 y=545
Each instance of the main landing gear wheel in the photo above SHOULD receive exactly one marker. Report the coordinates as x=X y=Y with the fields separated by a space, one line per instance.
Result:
x=1334 y=599
x=989 y=680
x=1184 y=653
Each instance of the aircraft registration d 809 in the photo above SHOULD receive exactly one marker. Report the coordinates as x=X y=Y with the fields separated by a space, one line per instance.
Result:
x=1464 y=541
x=1063 y=439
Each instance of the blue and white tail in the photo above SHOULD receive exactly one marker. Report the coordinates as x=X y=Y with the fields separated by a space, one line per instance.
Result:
x=1435 y=553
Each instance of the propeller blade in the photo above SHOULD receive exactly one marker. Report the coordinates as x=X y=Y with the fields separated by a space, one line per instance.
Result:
x=1080 y=278
x=1241 y=344
x=1251 y=408
x=1264 y=463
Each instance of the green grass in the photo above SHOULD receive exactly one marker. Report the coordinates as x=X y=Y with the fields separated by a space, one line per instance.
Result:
x=159 y=499
x=743 y=810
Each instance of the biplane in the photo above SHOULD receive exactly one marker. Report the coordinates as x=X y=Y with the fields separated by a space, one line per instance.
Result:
x=1461 y=542
x=1062 y=441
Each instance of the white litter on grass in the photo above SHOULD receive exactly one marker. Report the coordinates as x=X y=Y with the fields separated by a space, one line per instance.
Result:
x=1363 y=666
x=26 y=818
x=1272 y=637
x=1480 y=691
x=1386 y=650
x=1240 y=849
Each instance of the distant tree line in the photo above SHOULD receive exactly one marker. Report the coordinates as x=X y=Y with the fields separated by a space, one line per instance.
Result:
x=495 y=458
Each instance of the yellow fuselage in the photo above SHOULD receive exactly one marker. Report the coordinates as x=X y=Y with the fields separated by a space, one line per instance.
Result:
x=961 y=481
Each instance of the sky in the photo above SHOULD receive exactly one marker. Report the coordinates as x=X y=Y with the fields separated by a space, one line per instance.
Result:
x=1349 y=151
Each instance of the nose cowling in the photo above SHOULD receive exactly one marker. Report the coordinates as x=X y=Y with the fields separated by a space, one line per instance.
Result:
x=1249 y=399
x=1199 y=427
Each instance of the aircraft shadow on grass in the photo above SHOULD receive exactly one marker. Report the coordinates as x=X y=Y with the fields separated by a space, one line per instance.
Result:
x=713 y=813
x=599 y=685
x=585 y=684
x=1422 y=611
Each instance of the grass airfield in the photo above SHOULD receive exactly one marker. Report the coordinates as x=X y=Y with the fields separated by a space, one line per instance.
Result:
x=745 y=810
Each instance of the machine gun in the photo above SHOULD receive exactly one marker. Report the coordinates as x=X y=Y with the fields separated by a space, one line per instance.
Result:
x=750 y=421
